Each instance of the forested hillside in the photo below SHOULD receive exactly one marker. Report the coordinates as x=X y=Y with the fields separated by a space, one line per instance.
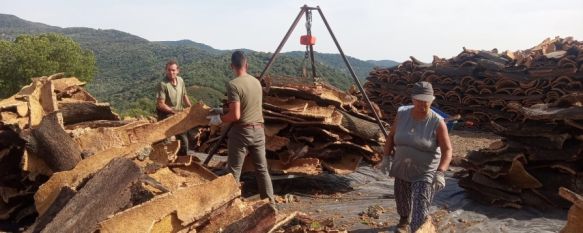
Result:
x=129 y=67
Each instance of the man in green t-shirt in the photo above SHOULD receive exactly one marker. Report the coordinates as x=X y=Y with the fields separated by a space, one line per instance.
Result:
x=171 y=98
x=245 y=98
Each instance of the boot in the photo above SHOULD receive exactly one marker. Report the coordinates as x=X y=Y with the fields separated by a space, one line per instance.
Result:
x=403 y=225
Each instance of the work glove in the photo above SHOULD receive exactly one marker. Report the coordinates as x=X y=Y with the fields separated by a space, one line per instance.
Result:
x=438 y=181
x=214 y=120
x=217 y=111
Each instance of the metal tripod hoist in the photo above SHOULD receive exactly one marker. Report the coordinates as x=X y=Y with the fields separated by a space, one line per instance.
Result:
x=309 y=41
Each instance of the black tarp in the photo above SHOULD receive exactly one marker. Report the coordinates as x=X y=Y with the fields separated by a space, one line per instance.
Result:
x=343 y=198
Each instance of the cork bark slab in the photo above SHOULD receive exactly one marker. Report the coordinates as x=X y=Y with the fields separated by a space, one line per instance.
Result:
x=190 y=204
x=321 y=93
x=95 y=140
x=519 y=177
x=47 y=98
x=346 y=164
x=273 y=129
x=173 y=181
x=235 y=211
x=106 y=193
x=275 y=143
x=63 y=83
x=313 y=112
x=82 y=111
x=307 y=166
x=47 y=192
x=34 y=165
x=574 y=220
x=261 y=220
x=285 y=104
x=55 y=146
x=164 y=153
x=75 y=93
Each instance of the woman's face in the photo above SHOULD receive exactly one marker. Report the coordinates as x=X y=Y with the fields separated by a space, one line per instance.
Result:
x=421 y=106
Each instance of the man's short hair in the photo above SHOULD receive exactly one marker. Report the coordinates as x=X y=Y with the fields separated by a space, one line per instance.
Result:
x=171 y=62
x=238 y=59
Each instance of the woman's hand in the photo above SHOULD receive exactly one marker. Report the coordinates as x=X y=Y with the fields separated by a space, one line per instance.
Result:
x=438 y=181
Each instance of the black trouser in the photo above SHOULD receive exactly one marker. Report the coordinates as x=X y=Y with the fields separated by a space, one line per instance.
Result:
x=183 y=143
x=183 y=138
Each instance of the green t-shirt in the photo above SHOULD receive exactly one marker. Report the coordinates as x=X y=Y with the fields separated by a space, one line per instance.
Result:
x=170 y=94
x=248 y=91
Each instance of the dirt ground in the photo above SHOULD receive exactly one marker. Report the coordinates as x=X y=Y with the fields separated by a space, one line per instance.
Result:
x=466 y=141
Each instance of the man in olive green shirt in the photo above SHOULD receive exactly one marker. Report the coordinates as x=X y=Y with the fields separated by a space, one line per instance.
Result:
x=171 y=98
x=245 y=97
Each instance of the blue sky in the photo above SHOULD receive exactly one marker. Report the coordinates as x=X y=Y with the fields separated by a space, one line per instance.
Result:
x=366 y=29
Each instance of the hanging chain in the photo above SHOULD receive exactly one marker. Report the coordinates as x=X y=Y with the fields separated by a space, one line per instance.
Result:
x=309 y=33
x=307 y=53
x=309 y=22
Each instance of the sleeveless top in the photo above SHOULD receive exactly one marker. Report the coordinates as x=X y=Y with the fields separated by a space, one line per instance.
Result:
x=417 y=153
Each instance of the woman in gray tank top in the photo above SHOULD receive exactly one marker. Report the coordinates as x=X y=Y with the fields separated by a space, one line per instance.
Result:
x=421 y=150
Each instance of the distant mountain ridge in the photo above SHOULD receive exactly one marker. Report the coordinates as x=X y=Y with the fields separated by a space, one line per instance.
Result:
x=201 y=46
x=129 y=66
x=383 y=63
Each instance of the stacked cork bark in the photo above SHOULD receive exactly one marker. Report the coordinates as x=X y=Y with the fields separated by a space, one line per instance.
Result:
x=313 y=127
x=532 y=98
x=33 y=142
x=536 y=157
x=69 y=164
x=480 y=84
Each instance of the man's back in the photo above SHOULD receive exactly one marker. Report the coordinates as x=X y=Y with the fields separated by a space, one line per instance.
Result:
x=247 y=90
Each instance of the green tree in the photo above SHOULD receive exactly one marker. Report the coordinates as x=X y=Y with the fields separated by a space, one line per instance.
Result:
x=34 y=56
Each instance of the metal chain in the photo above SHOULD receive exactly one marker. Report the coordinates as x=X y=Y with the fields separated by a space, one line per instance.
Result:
x=309 y=22
x=309 y=30
x=304 y=68
x=309 y=33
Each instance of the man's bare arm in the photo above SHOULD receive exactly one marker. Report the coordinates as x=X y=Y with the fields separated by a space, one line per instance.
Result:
x=164 y=107
x=186 y=101
x=234 y=113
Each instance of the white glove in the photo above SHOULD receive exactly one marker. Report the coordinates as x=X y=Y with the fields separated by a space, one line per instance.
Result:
x=438 y=181
x=217 y=111
x=385 y=165
x=214 y=119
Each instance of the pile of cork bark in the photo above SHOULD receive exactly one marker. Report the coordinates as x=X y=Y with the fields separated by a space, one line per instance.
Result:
x=532 y=98
x=535 y=158
x=313 y=127
x=68 y=164
x=480 y=84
